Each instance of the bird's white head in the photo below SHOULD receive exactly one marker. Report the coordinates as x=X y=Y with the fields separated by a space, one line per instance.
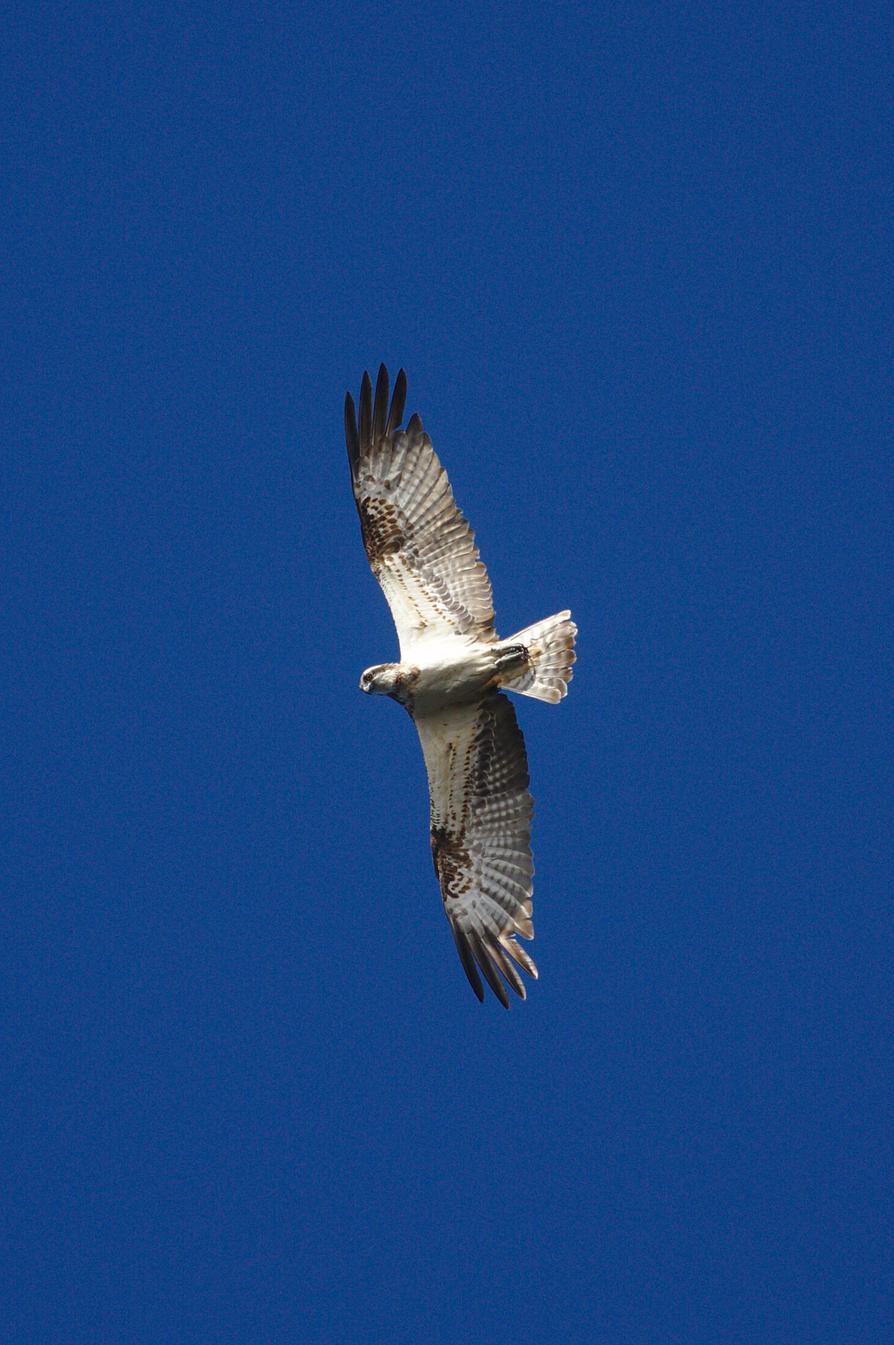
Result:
x=382 y=679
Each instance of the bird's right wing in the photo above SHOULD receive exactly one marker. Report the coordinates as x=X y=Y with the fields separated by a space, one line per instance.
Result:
x=420 y=547
x=481 y=836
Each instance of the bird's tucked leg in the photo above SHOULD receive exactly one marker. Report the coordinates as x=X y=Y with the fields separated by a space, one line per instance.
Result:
x=511 y=660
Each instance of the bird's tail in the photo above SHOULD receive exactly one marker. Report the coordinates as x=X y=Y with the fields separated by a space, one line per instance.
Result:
x=539 y=658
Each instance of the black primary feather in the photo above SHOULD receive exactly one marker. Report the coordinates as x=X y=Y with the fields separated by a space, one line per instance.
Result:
x=380 y=406
x=365 y=413
x=466 y=958
x=483 y=959
x=351 y=432
x=398 y=400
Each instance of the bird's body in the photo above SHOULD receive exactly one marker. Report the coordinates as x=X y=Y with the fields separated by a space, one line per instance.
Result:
x=451 y=677
x=450 y=670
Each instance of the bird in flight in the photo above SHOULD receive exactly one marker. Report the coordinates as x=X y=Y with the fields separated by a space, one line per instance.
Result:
x=452 y=675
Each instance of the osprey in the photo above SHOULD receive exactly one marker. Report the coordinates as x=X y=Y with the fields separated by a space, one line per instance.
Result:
x=451 y=676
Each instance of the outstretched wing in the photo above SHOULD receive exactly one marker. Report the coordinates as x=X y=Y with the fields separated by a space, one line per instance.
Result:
x=420 y=547
x=481 y=836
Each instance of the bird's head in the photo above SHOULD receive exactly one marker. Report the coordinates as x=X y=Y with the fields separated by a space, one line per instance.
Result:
x=381 y=679
x=397 y=680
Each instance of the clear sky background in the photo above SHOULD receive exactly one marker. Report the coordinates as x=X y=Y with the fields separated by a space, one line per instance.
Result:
x=631 y=257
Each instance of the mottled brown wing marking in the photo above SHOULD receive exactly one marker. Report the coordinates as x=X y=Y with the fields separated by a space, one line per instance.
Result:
x=451 y=860
x=382 y=534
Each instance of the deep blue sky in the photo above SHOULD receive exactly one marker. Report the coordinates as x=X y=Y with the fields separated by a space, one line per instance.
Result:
x=632 y=260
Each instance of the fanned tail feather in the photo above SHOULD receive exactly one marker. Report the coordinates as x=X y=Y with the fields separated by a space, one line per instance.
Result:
x=549 y=655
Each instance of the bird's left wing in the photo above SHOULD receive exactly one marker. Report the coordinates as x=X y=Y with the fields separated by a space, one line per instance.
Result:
x=420 y=547
x=481 y=836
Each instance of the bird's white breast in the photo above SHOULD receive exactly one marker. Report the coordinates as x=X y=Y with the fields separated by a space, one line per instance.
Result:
x=451 y=670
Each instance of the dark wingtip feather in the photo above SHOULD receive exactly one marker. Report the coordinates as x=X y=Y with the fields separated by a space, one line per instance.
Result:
x=491 y=975
x=415 y=425
x=468 y=961
x=351 y=431
x=398 y=400
x=380 y=406
x=523 y=958
x=505 y=965
x=365 y=413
